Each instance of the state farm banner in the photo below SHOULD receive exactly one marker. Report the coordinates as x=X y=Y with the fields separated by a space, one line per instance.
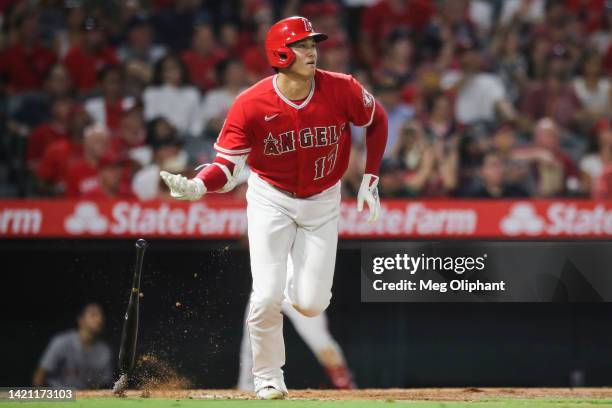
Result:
x=226 y=219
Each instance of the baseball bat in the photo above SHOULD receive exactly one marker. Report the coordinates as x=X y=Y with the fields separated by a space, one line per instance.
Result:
x=129 y=335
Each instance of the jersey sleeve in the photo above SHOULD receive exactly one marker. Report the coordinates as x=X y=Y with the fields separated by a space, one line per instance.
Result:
x=359 y=103
x=234 y=138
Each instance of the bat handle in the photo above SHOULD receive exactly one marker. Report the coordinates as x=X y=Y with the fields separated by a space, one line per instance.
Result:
x=141 y=246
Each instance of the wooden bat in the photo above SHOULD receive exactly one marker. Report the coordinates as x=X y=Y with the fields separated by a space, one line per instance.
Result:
x=129 y=335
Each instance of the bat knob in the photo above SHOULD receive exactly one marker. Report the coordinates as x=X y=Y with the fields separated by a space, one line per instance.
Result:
x=141 y=244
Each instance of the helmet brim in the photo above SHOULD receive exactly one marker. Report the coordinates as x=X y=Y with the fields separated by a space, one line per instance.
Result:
x=318 y=37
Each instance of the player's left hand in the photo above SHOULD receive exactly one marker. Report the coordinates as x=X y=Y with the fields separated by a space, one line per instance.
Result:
x=368 y=192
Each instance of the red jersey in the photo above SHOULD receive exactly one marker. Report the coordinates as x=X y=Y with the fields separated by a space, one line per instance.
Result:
x=255 y=62
x=81 y=178
x=380 y=19
x=202 y=69
x=41 y=138
x=84 y=67
x=97 y=193
x=25 y=69
x=303 y=149
x=56 y=160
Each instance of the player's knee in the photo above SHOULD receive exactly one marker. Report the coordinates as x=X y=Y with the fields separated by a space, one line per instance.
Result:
x=267 y=302
x=311 y=309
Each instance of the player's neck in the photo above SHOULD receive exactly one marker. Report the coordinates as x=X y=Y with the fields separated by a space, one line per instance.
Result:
x=293 y=87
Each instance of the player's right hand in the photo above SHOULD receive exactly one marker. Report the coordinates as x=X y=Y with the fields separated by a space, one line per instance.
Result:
x=368 y=193
x=183 y=188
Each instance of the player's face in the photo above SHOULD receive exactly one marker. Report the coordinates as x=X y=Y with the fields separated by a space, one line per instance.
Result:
x=305 y=58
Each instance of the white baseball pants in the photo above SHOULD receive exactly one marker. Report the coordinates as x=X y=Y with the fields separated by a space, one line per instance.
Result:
x=284 y=229
x=313 y=330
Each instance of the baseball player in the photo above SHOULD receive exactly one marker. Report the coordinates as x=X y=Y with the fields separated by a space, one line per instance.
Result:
x=293 y=130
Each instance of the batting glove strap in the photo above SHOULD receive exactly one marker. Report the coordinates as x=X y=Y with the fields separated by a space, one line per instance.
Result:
x=368 y=192
x=183 y=188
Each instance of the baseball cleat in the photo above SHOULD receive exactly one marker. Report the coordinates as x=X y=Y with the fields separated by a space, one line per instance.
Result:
x=270 y=393
x=341 y=377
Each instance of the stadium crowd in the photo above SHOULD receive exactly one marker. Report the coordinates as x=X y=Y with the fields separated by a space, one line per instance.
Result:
x=486 y=98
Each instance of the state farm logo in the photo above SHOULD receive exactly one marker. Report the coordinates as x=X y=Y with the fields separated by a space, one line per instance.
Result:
x=411 y=219
x=86 y=218
x=558 y=219
x=523 y=219
x=132 y=218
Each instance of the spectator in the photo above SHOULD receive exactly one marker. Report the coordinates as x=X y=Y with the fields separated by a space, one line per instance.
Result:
x=392 y=183
x=450 y=29
x=334 y=55
x=110 y=182
x=397 y=60
x=474 y=142
x=35 y=107
x=86 y=60
x=173 y=98
x=593 y=164
x=388 y=94
x=430 y=165
x=439 y=123
x=493 y=183
x=592 y=88
x=384 y=16
x=229 y=39
x=72 y=32
x=602 y=190
x=46 y=134
x=517 y=12
x=415 y=154
x=554 y=95
x=537 y=59
x=218 y=100
x=82 y=174
x=53 y=168
x=254 y=58
x=174 y=25
x=602 y=38
x=326 y=16
x=505 y=142
x=554 y=170
x=77 y=358
x=167 y=155
x=480 y=96
x=511 y=65
x=24 y=65
x=139 y=42
x=107 y=109
x=351 y=181
x=202 y=58
x=128 y=142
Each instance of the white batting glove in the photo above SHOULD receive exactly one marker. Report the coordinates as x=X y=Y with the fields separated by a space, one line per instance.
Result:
x=183 y=188
x=368 y=192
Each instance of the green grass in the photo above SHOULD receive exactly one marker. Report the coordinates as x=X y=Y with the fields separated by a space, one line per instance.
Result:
x=206 y=403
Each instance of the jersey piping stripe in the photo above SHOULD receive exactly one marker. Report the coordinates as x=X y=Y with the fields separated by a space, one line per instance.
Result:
x=228 y=151
x=371 y=117
x=225 y=170
x=287 y=101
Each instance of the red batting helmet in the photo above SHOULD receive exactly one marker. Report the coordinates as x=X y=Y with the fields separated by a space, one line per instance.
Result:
x=288 y=31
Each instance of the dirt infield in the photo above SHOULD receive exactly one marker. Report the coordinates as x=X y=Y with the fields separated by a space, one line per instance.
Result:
x=419 y=394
